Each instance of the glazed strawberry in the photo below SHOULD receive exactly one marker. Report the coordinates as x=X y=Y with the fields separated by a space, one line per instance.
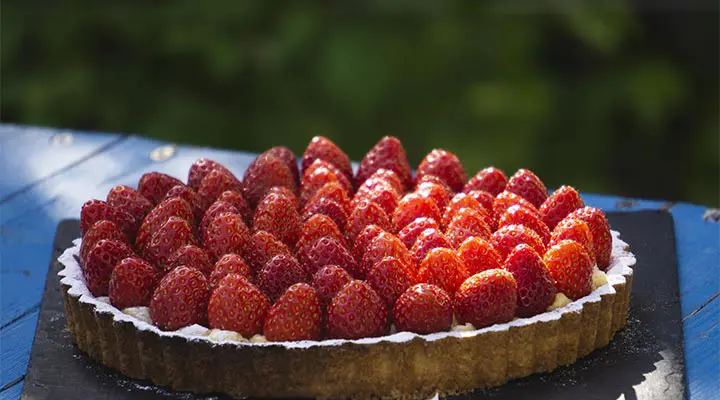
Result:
x=265 y=172
x=295 y=316
x=100 y=230
x=101 y=261
x=238 y=305
x=173 y=234
x=574 y=229
x=190 y=196
x=463 y=200
x=527 y=185
x=570 y=267
x=97 y=210
x=487 y=298
x=490 y=179
x=226 y=234
x=318 y=175
x=237 y=200
x=229 y=264
x=288 y=158
x=365 y=213
x=423 y=309
x=409 y=234
x=328 y=280
x=215 y=209
x=390 y=177
x=506 y=238
x=154 y=185
x=536 y=290
x=443 y=268
x=318 y=226
x=506 y=200
x=216 y=182
x=364 y=238
x=277 y=215
x=329 y=208
x=200 y=169
x=444 y=165
x=390 y=278
x=414 y=206
x=326 y=251
x=428 y=239
x=466 y=223
x=323 y=148
x=130 y=201
x=388 y=153
x=261 y=247
x=484 y=198
x=172 y=207
x=432 y=179
x=384 y=245
x=561 y=203
x=281 y=272
x=331 y=191
x=356 y=312
x=191 y=256
x=600 y=229
x=434 y=191
x=132 y=283
x=180 y=299
x=478 y=255
x=519 y=215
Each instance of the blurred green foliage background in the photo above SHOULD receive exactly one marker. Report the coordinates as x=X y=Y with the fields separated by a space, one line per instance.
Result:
x=615 y=98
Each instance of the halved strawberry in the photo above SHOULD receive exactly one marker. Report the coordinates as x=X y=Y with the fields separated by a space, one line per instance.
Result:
x=154 y=185
x=356 y=312
x=261 y=247
x=388 y=153
x=381 y=194
x=331 y=191
x=227 y=233
x=390 y=278
x=445 y=165
x=278 y=274
x=318 y=226
x=277 y=215
x=574 y=229
x=365 y=213
x=215 y=209
x=409 y=234
x=192 y=256
x=434 y=191
x=364 y=238
x=188 y=194
x=428 y=239
x=101 y=261
x=527 y=185
x=288 y=157
x=328 y=280
x=423 y=309
x=490 y=179
x=559 y=204
x=505 y=200
x=323 y=148
x=570 y=267
x=384 y=245
x=100 y=230
x=229 y=264
x=506 y=238
x=173 y=234
x=329 y=208
x=216 y=182
x=237 y=200
x=519 y=215
x=466 y=223
x=318 y=175
x=478 y=255
x=97 y=210
x=443 y=268
x=130 y=201
x=200 y=169
x=237 y=305
x=132 y=283
x=487 y=298
x=172 y=207
x=600 y=229
x=463 y=200
x=326 y=251
x=411 y=207
x=536 y=290
x=265 y=172
x=180 y=299
x=295 y=316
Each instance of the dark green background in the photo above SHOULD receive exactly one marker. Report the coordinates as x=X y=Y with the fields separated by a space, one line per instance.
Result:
x=619 y=98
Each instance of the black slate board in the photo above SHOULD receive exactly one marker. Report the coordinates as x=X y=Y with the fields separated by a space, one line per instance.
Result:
x=644 y=361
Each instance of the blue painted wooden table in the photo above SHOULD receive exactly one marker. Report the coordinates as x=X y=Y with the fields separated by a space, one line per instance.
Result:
x=46 y=175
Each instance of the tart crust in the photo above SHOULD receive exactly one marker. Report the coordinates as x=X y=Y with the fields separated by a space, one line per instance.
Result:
x=402 y=365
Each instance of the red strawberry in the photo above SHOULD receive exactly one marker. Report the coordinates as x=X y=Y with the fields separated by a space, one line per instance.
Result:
x=229 y=264
x=574 y=229
x=130 y=201
x=428 y=239
x=98 y=210
x=506 y=238
x=356 y=312
x=173 y=234
x=288 y=158
x=484 y=198
x=390 y=278
x=329 y=208
x=216 y=182
x=132 y=283
x=180 y=299
x=570 y=267
x=527 y=185
x=561 y=203
x=318 y=175
x=188 y=194
x=154 y=185
x=237 y=305
x=200 y=169
x=390 y=177
x=478 y=255
x=331 y=191
x=434 y=191
x=600 y=229
x=295 y=316
x=386 y=199
x=99 y=231
x=409 y=234
x=444 y=165
x=364 y=238
x=281 y=272
x=190 y=256
x=463 y=200
x=519 y=215
x=227 y=233
x=383 y=182
x=414 y=206
x=172 y=207
x=506 y=200
x=286 y=193
x=433 y=179
x=215 y=209
x=487 y=298
x=389 y=154
x=365 y=213
x=323 y=148
x=320 y=164
x=326 y=251
x=277 y=215
x=318 y=226
x=536 y=290
x=423 y=309
x=443 y=268
x=261 y=247
x=100 y=262
x=466 y=223
x=265 y=172
x=490 y=179
x=384 y=245
x=328 y=280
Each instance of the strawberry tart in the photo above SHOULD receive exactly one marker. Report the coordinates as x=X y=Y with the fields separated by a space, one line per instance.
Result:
x=311 y=279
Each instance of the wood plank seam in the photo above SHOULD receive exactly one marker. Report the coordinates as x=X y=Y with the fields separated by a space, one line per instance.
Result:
x=9 y=386
x=32 y=309
x=707 y=303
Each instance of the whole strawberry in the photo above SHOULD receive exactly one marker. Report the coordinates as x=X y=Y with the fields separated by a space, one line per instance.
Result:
x=318 y=226
x=216 y=182
x=190 y=196
x=200 y=169
x=173 y=207
x=561 y=203
x=381 y=194
x=490 y=179
x=506 y=199
x=506 y=238
x=173 y=234
x=328 y=280
x=180 y=299
x=227 y=233
x=574 y=229
x=390 y=278
x=356 y=312
x=478 y=255
x=484 y=198
x=100 y=230
x=101 y=261
x=433 y=179
x=265 y=172
x=570 y=267
x=429 y=239
x=229 y=264
x=323 y=148
x=536 y=290
x=281 y=272
x=261 y=247
x=191 y=256
x=388 y=153
x=466 y=223
x=411 y=207
x=154 y=185
x=217 y=208
x=326 y=251
x=434 y=191
x=130 y=201
x=384 y=245
x=329 y=208
x=365 y=213
x=487 y=298
x=445 y=165
x=443 y=268
x=276 y=215
x=519 y=215
x=600 y=229
x=527 y=185
x=237 y=305
x=390 y=177
x=286 y=193
x=317 y=175
x=423 y=309
x=363 y=240
x=463 y=200
x=132 y=283
x=97 y=210
x=288 y=158
x=295 y=316
x=409 y=234
x=237 y=200
x=331 y=191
